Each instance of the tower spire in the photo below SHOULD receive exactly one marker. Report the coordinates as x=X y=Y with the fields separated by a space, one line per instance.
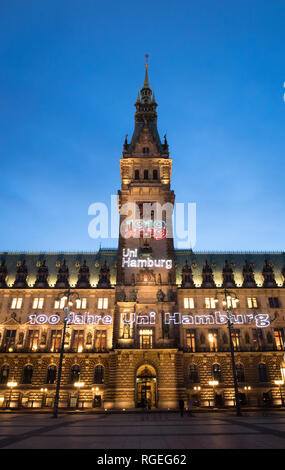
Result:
x=146 y=81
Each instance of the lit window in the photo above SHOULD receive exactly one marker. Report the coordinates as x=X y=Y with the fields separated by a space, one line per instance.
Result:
x=17 y=303
x=81 y=303
x=33 y=340
x=103 y=302
x=252 y=302
x=210 y=302
x=236 y=339
x=38 y=303
x=188 y=302
x=78 y=340
x=59 y=303
x=145 y=339
x=55 y=340
x=279 y=338
x=231 y=302
x=191 y=340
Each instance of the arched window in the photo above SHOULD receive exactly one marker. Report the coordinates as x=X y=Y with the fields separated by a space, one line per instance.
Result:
x=217 y=372
x=145 y=175
x=27 y=374
x=99 y=375
x=240 y=373
x=137 y=174
x=51 y=375
x=74 y=374
x=4 y=375
x=193 y=373
x=155 y=174
x=262 y=372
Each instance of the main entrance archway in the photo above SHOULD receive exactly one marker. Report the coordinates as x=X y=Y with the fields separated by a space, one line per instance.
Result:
x=146 y=387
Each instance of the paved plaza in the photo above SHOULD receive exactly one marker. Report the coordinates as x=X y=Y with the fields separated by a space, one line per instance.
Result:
x=143 y=430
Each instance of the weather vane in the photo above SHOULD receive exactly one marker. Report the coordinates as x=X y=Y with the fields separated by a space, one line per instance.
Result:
x=146 y=60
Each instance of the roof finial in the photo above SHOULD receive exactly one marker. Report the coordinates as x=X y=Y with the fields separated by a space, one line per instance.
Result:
x=146 y=60
x=146 y=82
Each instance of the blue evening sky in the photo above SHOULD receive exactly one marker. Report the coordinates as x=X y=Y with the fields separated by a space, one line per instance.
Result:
x=69 y=74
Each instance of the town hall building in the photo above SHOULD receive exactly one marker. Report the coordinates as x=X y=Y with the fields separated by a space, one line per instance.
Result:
x=148 y=323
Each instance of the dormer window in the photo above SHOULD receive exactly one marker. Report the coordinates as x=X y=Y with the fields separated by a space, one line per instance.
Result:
x=145 y=149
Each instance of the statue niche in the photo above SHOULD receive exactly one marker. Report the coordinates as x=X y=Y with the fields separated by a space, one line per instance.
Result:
x=3 y=275
x=21 y=276
x=83 y=281
x=104 y=277
x=42 y=277
x=62 y=281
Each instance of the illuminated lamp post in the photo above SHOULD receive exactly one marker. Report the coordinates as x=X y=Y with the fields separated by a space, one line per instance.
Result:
x=213 y=383
x=279 y=383
x=12 y=384
x=247 y=389
x=227 y=306
x=44 y=391
x=67 y=295
x=78 y=385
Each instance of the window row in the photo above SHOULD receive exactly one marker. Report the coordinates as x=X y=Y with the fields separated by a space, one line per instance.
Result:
x=27 y=374
x=38 y=303
x=77 y=341
x=146 y=175
x=212 y=302
x=213 y=339
x=217 y=373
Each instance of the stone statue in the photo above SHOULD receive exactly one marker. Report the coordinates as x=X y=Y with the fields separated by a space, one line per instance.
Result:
x=160 y=295
x=133 y=296
x=122 y=296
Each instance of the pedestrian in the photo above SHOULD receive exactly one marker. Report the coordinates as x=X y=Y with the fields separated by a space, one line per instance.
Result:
x=189 y=406
x=181 y=407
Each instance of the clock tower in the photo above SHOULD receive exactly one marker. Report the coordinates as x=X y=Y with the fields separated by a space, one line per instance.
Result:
x=146 y=278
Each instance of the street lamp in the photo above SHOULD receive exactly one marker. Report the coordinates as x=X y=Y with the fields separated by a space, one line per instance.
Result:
x=247 y=388
x=12 y=384
x=279 y=383
x=227 y=306
x=44 y=391
x=67 y=295
x=78 y=385
x=213 y=383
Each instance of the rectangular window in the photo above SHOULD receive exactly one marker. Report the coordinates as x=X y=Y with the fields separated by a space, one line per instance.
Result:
x=33 y=340
x=81 y=303
x=279 y=338
x=236 y=339
x=9 y=341
x=78 y=340
x=213 y=340
x=103 y=303
x=252 y=302
x=60 y=304
x=16 y=303
x=191 y=340
x=210 y=302
x=188 y=302
x=145 y=339
x=55 y=340
x=232 y=303
x=101 y=340
x=38 y=303
x=273 y=302
x=257 y=339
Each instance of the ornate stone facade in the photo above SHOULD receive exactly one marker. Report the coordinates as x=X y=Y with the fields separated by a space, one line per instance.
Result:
x=145 y=329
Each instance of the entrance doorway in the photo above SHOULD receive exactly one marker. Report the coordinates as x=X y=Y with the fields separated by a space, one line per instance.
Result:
x=146 y=394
